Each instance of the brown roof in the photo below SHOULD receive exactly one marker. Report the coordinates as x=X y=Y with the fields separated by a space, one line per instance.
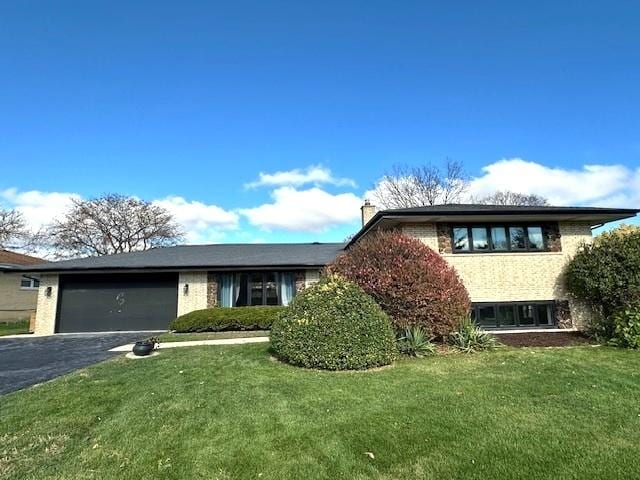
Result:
x=15 y=258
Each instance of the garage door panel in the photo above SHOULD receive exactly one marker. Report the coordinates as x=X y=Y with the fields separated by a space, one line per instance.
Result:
x=116 y=302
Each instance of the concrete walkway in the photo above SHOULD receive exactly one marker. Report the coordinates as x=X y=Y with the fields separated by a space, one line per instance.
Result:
x=197 y=343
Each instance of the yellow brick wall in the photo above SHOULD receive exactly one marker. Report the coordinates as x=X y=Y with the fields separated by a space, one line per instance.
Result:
x=504 y=277
x=47 y=306
x=425 y=232
x=15 y=302
x=196 y=298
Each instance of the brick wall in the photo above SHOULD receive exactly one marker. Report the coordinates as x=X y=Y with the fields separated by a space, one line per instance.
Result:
x=47 y=306
x=196 y=298
x=15 y=302
x=507 y=277
x=212 y=290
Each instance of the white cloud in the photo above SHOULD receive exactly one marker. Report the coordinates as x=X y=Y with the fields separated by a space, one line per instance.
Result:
x=311 y=210
x=297 y=177
x=591 y=185
x=201 y=222
x=38 y=208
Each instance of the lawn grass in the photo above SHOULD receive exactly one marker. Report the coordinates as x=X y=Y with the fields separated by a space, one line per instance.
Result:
x=181 y=337
x=14 y=328
x=232 y=412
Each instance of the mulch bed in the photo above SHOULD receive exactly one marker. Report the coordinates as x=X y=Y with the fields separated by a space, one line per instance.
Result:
x=544 y=339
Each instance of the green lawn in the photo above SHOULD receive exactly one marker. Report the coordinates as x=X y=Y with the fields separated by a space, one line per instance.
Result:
x=181 y=337
x=14 y=328
x=232 y=412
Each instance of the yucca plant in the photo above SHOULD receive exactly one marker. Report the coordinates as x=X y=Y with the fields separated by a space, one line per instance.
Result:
x=469 y=337
x=415 y=342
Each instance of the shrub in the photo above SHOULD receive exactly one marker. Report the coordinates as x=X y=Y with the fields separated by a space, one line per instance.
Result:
x=220 y=319
x=607 y=276
x=334 y=325
x=469 y=337
x=620 y=230
x=411 y=282
x=414 y=342
x=626 y=323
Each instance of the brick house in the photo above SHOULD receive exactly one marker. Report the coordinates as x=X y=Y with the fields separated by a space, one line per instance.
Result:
x=18 y=291
x=510 y=259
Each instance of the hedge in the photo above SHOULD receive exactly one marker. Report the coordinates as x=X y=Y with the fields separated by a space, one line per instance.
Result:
x=220 y=319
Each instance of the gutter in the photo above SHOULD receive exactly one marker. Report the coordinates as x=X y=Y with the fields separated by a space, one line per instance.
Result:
x=393 y=214
x=166 y=269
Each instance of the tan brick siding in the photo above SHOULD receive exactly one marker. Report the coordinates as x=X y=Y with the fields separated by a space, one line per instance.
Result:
x=196 y=298
x=509 y=276
x=15 y=302
x=504 y=277
x=47 y=306
x=425 y=232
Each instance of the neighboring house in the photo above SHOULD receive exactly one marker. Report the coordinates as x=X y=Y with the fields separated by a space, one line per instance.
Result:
x=18 y=291
x=510 y=259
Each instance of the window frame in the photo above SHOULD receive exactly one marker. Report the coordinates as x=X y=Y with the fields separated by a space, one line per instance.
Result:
x=516 y=314
x=34 y=283
x=264 y=274
x=506 y=226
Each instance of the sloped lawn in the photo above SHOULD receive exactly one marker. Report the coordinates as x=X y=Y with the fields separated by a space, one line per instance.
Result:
x=232 y=412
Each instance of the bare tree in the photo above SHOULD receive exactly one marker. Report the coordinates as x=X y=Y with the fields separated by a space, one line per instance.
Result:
x=406 y=186
x=13 y=229
x=112 y=224
x=506 y=197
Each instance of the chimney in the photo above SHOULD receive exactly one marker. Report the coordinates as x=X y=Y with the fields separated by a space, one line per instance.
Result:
x=368 y=211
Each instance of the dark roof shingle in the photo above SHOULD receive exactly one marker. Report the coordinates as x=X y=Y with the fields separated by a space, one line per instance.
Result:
x=206 y=256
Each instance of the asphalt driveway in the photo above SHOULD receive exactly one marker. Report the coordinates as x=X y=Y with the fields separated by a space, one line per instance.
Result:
x=27 y=361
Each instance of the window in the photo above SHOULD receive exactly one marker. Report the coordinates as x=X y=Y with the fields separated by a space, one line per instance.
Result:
x=480 y=239
x=497 y=238
x=536 y=241
x=461 y=239
x=517 y=238
x=486 y=315
x=255 y=288
x=29 y=283
x=513 y=315
x=506 y=316
x=526 y=315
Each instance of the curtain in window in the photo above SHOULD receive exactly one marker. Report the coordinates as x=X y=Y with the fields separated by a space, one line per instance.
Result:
x=236 y=282
x=287 y=286
x=225 y=295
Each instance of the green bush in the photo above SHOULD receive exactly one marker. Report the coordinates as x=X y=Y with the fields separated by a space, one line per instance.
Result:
x=607 y=275
x=469 y=337
x=626 y=323
x=334 y=325
x=414 y=342
x=219 y=319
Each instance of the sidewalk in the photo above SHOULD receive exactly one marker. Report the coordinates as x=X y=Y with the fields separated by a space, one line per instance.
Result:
x=197 y=343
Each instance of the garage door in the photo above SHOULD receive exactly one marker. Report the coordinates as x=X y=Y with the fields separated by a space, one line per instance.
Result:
x=104 y=303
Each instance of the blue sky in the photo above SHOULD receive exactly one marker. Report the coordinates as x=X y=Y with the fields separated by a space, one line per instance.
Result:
x=186 y=103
